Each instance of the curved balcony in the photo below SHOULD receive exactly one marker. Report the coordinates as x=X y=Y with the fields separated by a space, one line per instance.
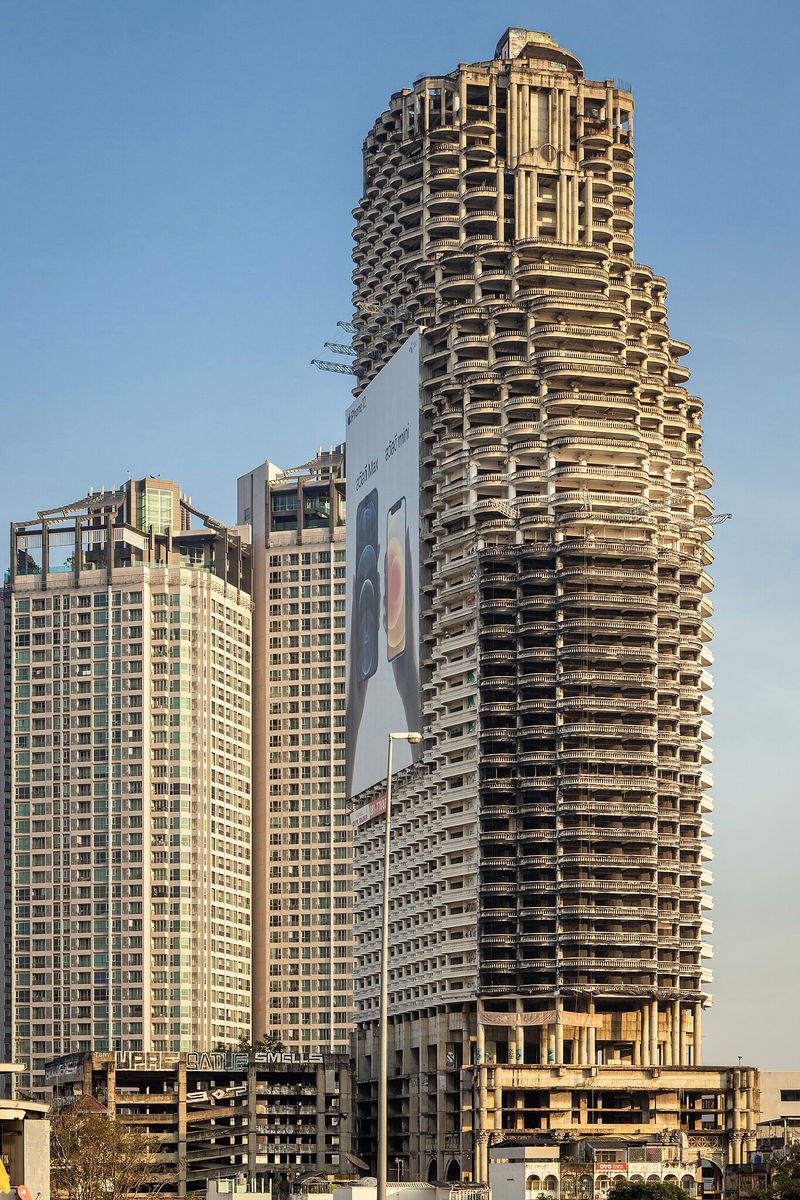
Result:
x=494 y=273
x=480 y=195
x=481 y=216
x=589 y=425
x=622 y=238
x=593 y=965
x=582 y=781
x=479 y=175
x=677 y=373
x=595 y=157
x=470 y=366
x=602 y=807
x=444 y=155
x=510 y=338
x=621 y=173
x=622 y=886
x=533 y=274
x=479 y=124
x=457 y=286
x=478 y=151
x=577 y=365
x=580 y=333
x=522 y=369
x=593 y=938
x=607 y=548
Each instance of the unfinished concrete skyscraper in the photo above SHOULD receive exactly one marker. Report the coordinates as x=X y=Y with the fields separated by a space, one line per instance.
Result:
x=548 y=910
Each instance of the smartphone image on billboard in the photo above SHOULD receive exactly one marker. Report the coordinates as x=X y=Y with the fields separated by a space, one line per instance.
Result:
x=367 y=587
x=395 y=582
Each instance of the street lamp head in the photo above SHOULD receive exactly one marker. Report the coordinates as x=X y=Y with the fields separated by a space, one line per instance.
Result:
x=406 y=737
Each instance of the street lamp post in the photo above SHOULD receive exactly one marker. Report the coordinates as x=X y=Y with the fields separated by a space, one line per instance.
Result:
x=383 y=1019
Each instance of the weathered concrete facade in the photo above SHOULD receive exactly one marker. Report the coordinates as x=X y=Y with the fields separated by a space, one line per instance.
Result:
x=219 y=1114
x=549 y=911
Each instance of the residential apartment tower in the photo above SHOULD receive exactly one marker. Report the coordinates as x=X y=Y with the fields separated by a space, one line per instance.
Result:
x=302 y=877
x=128 y=798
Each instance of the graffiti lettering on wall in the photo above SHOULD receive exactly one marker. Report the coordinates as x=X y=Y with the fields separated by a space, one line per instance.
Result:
x=71 y=1067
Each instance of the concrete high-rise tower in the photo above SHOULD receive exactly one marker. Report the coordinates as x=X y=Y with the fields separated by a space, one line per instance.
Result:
x=302 y=875
x=548 y=967
x=127 y=785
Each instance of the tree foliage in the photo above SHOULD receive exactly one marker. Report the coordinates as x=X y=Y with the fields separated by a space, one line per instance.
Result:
x=94 y=1157
x=268 y=1042
x=785 y=1176
x=628 y=1189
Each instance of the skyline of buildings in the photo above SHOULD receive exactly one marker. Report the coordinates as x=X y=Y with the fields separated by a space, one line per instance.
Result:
x=549 y=892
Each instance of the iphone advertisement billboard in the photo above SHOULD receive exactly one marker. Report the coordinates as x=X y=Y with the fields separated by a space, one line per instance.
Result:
x=383 y=686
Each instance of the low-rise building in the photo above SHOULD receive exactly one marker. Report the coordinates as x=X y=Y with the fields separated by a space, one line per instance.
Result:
x=587 y=1168
x=780 y=1095
x=220 y=1113
x=24 y=1139
x=367 y=1189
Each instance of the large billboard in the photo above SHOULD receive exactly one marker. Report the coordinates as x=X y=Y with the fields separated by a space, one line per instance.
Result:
x=383 y=538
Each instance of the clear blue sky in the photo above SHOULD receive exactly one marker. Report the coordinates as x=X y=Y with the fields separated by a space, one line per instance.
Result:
x=178 y=179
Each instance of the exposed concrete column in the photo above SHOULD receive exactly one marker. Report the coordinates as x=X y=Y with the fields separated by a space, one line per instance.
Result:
x=519 y=206
x=750 y=1100
x=666 y=1053
x=519 y=1037
x=480 y=1041
x=182 y=1125
x=482 y=1156
x=559 y=1039
x=645 y=1013
x=653 y=1033
x=591 y=1037
x=588 y=209
x=252 y=1122
x=583 y=1046
x=697 y=1035
x=320 y=1117
x=511 y=120
x=676 y=1033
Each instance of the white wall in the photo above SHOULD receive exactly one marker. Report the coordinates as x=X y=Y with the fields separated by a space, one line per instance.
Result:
x=772 y=1084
